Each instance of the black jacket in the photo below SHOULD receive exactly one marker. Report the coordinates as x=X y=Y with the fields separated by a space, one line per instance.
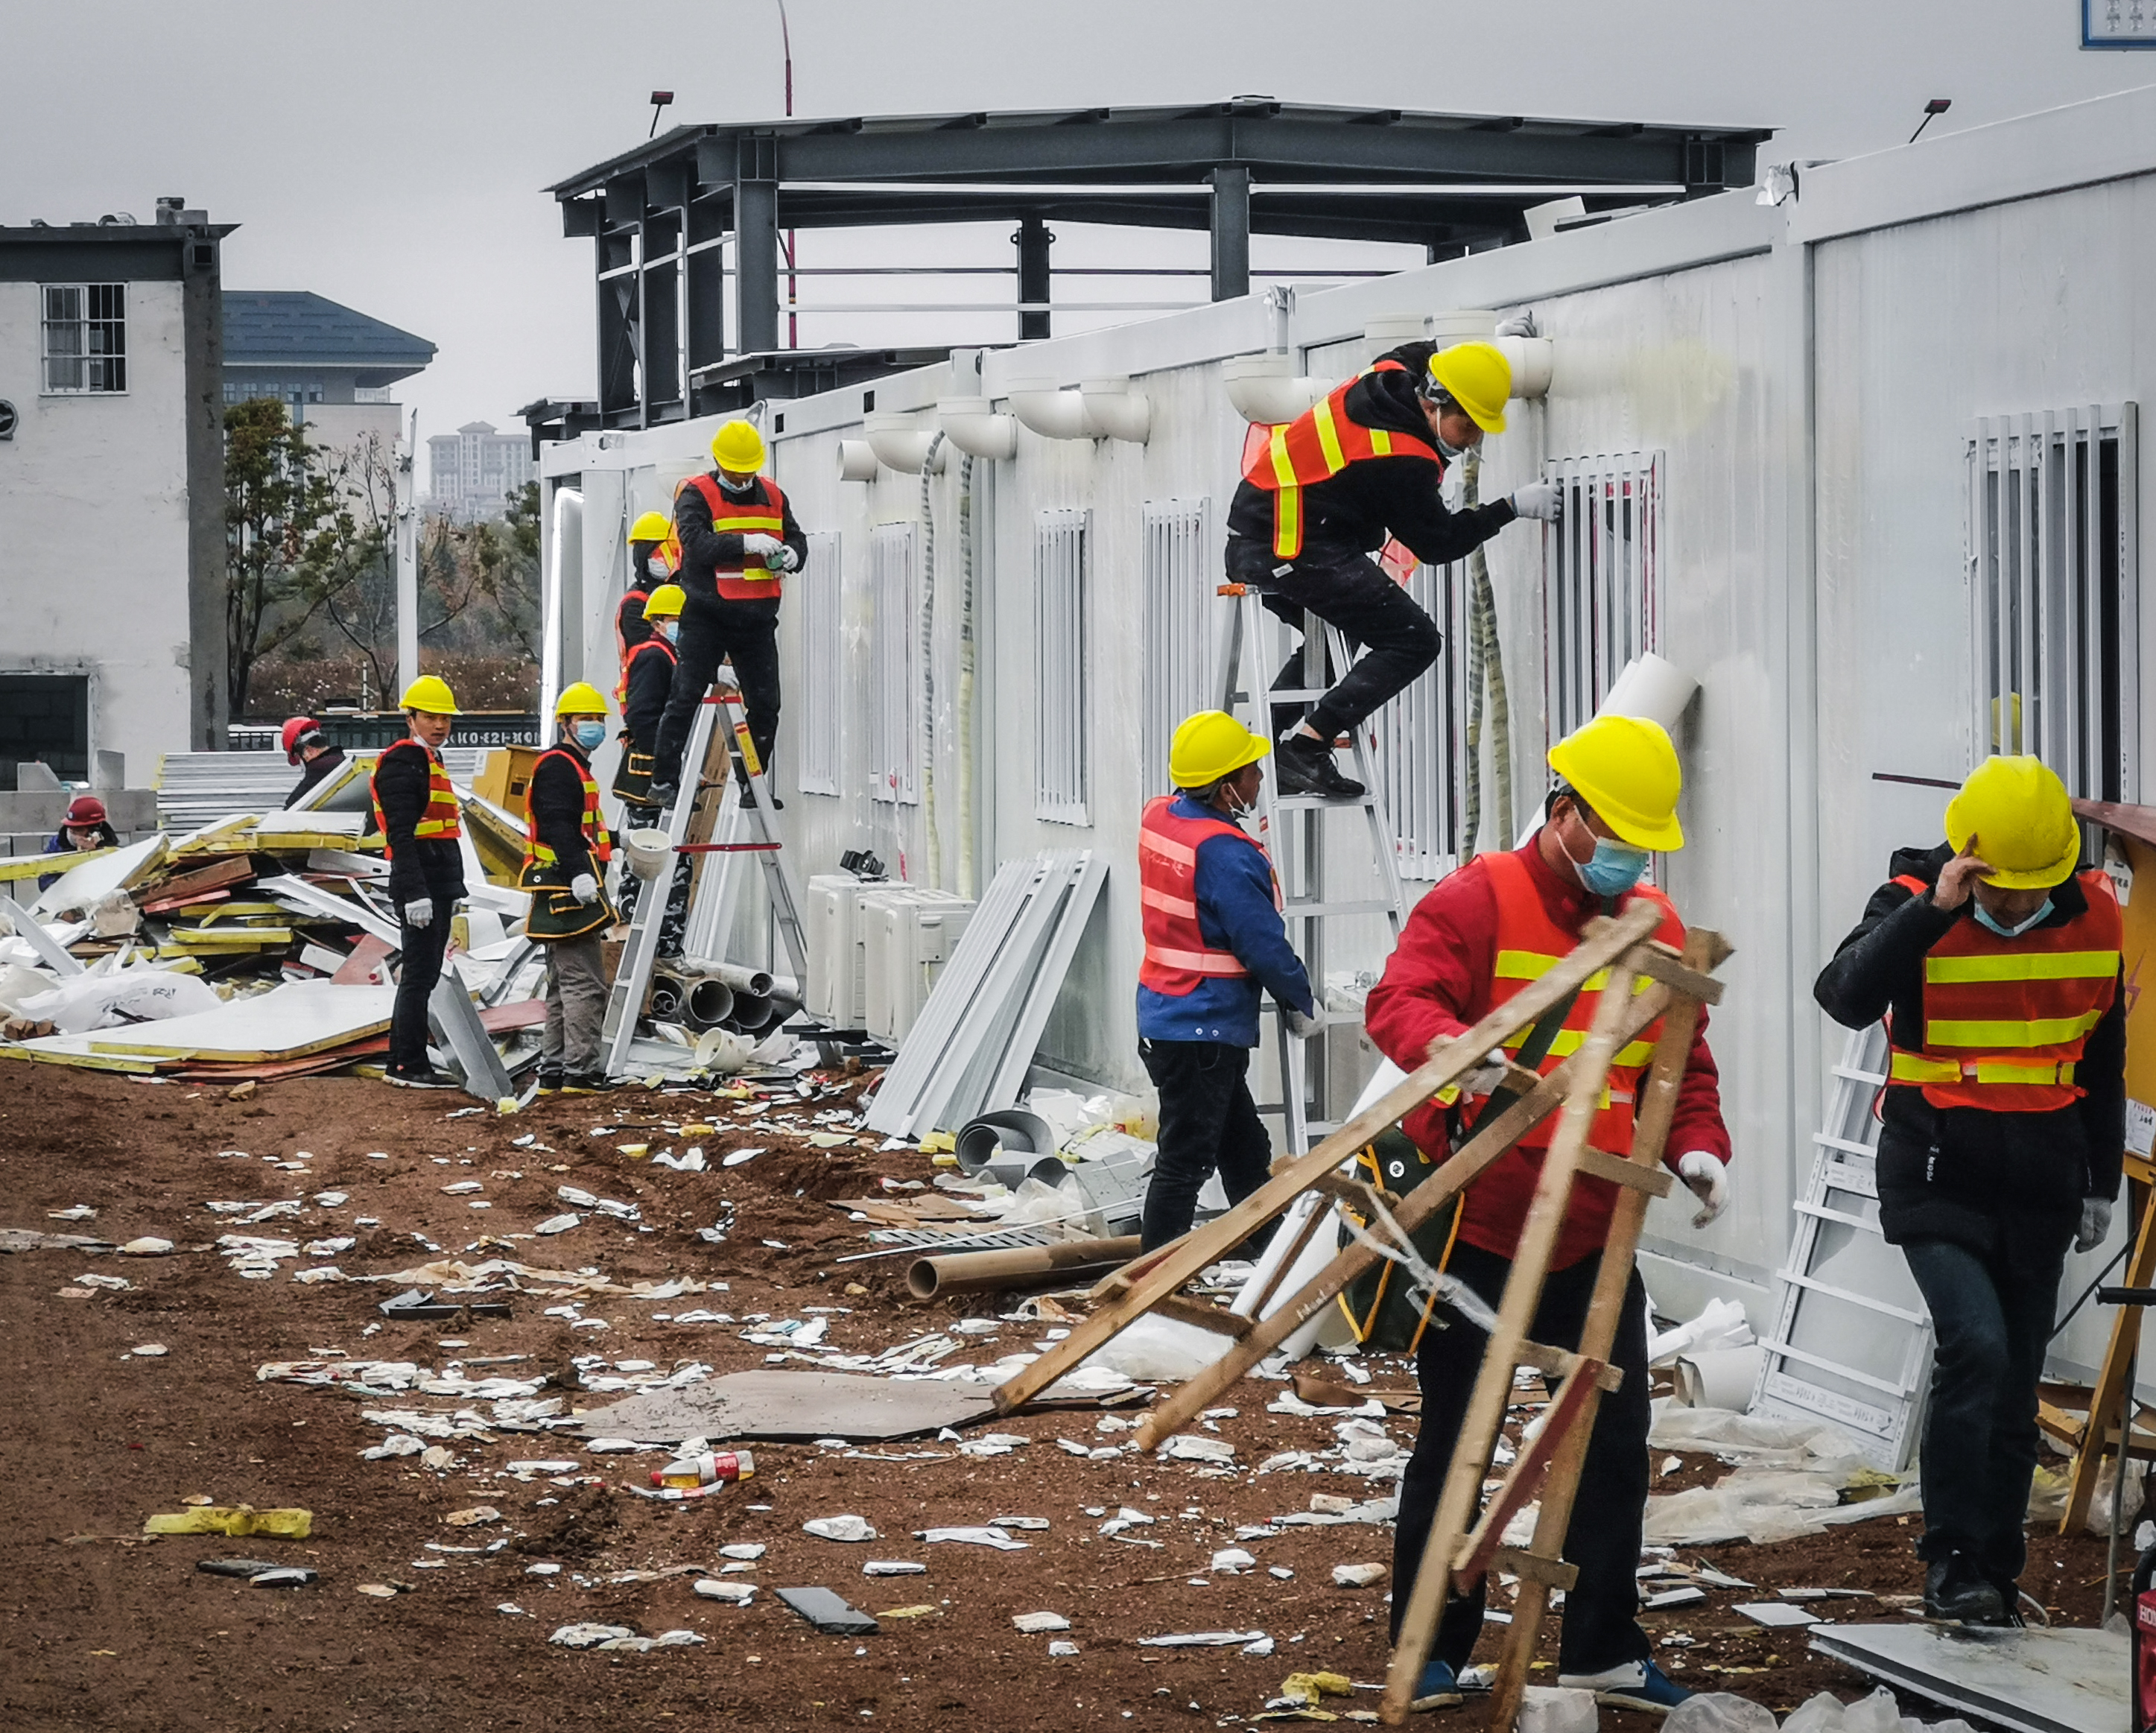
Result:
x=704 y=549
x=58 y=844
x=418 y=866
x=1355 y=511
x=556 y=797
x=313 y=771
x=651 y=683
x=629 y=622
x=1967 y=1175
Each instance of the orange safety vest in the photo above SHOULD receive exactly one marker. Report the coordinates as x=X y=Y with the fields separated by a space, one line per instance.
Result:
x=537 y=855
x=1316 y=446
x=1529 y=945
x=750 y=581
x=1177 y=958
x=2005 y=1019
x=441 y=818
x=654 y=642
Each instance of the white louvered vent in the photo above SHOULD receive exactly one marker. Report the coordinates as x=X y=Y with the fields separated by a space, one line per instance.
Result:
x=821 y=709
x=893 y=679
x=1599 y=575
x=1181 y=574
x=1060 y=757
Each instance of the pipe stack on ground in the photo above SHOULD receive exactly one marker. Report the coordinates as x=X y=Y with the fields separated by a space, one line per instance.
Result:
x=1064 y=1264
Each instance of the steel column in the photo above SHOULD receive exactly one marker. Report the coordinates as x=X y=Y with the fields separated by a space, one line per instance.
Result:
x=1231 y=233
x=756 y=252
x=1033 y=240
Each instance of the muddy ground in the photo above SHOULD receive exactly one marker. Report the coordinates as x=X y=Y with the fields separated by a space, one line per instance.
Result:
x=100 y=1628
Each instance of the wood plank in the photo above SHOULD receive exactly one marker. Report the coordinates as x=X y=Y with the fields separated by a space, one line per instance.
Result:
x=1655 y=1181
x=1533 y=1567
x=1525 y=1481
x=1201 y=1315
x=2106 y=1401
x=219 y=875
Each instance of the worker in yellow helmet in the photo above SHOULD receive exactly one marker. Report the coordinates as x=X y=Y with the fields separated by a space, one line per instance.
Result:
x=651 y=564
x=734 y=537
x=649 y=683
x=1209 y=905
x=567 y=846
x=1997 y=965
x=1322 y=494
x=416 y=810
x=1481 y=935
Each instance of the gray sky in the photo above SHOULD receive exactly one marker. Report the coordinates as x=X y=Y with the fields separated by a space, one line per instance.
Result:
x=390 y=155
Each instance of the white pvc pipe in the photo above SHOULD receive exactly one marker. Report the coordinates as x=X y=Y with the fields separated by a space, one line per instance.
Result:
x=1266 y=390
x=1052 y=414
x=857 y=461
x=568 y=522
x=901 y=442
x=975 y=429
x=1116 y=410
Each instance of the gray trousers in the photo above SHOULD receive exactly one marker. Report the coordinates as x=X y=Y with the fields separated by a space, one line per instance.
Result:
x=575 y=1004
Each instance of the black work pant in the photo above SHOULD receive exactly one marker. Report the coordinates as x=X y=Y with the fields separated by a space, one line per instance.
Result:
x=1993 y=1318
x=1601 y=1609
x=1352 y=591
x=1207 y=1121
x=418 y=969
x=715 y=631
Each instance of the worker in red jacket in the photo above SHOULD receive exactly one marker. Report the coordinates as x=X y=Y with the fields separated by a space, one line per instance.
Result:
x=1480 y=937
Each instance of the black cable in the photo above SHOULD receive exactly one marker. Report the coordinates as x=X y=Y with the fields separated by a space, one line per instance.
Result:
x=2089 y=1291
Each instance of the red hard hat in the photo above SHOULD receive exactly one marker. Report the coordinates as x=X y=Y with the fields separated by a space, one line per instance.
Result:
x=294 y=729
x=85 y=810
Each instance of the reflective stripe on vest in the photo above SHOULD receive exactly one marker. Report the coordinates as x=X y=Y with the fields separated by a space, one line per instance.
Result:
x=2005 y=1020
x=1177 y=958
x=1316 y=446
x=537 y=854
x=752 y=580
x=442 y=816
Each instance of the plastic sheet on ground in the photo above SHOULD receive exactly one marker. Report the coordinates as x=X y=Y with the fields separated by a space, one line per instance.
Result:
x=1791 y=1479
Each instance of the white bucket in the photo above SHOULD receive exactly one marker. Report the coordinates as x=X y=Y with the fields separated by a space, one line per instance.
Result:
x=649 y=851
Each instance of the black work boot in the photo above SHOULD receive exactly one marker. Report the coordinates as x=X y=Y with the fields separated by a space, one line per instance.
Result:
x=1307 y=767
x=1955 y=1592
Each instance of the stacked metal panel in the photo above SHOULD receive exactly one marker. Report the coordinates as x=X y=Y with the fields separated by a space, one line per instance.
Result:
x=196 y=788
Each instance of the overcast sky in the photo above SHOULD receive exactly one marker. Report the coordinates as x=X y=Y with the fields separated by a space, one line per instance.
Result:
x=391 y=155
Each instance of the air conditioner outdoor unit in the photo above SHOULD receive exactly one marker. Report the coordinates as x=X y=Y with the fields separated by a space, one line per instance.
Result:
x=837 y=995
x=906 y=935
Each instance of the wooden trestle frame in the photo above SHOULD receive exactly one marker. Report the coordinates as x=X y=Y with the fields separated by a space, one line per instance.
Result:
x=1646 y=980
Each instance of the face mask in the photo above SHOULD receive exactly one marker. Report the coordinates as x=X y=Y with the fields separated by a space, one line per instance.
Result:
x=589 y=734
x=657 y=567
x=729 y=485
x=1613 y=869
x=670 y=630
x=1449 y=451
x=1986 y=919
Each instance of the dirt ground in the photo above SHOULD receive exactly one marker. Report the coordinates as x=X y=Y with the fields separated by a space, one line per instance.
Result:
x=103 y=1629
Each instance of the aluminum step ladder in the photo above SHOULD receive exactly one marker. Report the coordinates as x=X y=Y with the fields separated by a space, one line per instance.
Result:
x=1298 y=849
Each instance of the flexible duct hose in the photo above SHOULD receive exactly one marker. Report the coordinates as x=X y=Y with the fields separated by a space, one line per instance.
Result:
x=928 y=667
x=1485 y=669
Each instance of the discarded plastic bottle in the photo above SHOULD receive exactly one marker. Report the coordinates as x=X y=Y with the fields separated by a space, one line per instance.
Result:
x=2144 y=1718
x=712 y=1468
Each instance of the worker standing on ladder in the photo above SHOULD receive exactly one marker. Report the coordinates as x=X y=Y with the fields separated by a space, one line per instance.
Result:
x=1320 y=497
x=416 y=810
x=1213 y=938
x=2000 y=1136
x=566 y=851
x=1480 y=936
x=734 y=535
x=650 y=567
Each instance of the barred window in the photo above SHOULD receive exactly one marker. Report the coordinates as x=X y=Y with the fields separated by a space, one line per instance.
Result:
x=893 y=673
x=822 y=664
x=1182 y=562
x=1060 y=757
x=85 y=337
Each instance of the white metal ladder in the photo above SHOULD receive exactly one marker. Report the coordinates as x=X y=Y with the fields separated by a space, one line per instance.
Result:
x=1299 y=852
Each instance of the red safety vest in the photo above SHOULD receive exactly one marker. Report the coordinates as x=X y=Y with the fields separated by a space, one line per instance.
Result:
x=654 y=642
x=597 y=837
x=1529 y=945
x=1177 y=958
x=749 y=581
x=1316 y=446
x=2005 y=1019
x=441 y=817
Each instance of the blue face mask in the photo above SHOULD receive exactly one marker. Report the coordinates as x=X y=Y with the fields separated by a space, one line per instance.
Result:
x=590 y=734
x=1613 y=869
x=1986 y=919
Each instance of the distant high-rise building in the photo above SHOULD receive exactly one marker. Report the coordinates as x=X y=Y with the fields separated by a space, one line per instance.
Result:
x=472 y=472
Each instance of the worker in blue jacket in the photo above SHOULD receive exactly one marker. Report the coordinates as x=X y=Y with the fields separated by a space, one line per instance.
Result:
x=1210 y=904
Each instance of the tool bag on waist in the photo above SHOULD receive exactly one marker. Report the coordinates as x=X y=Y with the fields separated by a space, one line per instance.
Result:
x=1379 y=1307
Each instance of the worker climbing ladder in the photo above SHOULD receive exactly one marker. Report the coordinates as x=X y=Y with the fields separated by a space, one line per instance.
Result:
x=1300 y=854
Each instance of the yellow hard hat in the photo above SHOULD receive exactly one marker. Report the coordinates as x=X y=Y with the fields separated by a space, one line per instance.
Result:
x=581 y=699
x=1626 y=769
x=2019 y=813
x=1477 y=377
x=738 y=447
x=1211 y=745
x=431 y=693
x=664 y=603
x=651 y=526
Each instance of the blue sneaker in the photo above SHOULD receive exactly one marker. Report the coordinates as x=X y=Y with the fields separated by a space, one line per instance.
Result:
x=1633 y=1684
x=1437 y=1687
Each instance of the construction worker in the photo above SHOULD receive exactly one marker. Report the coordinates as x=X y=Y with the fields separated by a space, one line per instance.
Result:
x=650 y=565
x=1322 y=494
x=566 y=851
x=84 y=828
x=649 y=683
x=734 y=535
x=2001 y=1130
x=1210 y=905
x=305 y=744
x=416 y=810
x=1479 y=937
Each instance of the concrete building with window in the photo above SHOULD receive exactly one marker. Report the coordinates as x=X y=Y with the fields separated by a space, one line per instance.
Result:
x=111 y=493
x=472 y=473
x=331 y=367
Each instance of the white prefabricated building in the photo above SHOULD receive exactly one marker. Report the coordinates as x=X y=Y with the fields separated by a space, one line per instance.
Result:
x=1856 y=452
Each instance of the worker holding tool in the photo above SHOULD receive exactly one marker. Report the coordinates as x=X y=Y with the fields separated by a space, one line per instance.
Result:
x=566 y=851
x=1320 y=496
x=1210 y=905
x=83 y=828
x=650 y=565
x=734 y=537
x=2001 y=1133
x=306 y=745
x=416 y=810
x=1479 y=937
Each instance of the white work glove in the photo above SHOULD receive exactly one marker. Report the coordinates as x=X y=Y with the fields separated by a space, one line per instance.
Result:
x=1538 y=500
x=584 y=887
x=758 y=546
x=1300 y=1024
x=1520 y=325
x=1709 y=1181
x=1483 y=1079
x=784 y=560
x=2095 y=1223
x=419 y=912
